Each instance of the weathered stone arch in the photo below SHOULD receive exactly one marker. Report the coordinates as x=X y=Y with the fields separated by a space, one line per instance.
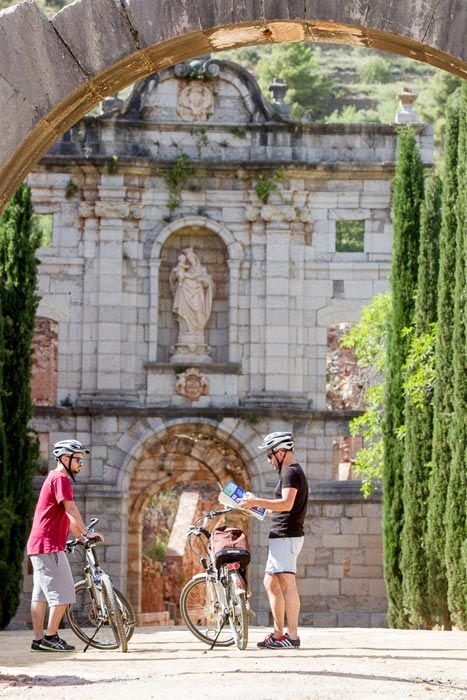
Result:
x=181 y=451
x=234 y=248
x=131 y=446
x=53 y=72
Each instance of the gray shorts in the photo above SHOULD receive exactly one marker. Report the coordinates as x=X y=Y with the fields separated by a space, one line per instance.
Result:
x=282 y=555
x=53 y=580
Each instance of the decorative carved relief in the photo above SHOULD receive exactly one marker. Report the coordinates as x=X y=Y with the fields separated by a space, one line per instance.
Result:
x=192 y=384
x=195 y=101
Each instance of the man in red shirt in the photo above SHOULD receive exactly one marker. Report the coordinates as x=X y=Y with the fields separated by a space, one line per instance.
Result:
x=55 y=515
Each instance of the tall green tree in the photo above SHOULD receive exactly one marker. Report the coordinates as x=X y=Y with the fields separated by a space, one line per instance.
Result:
x=407 y=198
x=456 y=531
x=444 y=379
x=432 y=100
x=419 y=416
x=18 y=277
x=368 y=339
x=5 y=501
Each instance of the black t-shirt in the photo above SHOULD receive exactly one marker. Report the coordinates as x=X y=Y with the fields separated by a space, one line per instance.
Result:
x=290 y=523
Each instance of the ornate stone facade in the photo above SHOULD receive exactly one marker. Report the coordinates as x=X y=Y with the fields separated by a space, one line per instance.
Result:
x=150 y=181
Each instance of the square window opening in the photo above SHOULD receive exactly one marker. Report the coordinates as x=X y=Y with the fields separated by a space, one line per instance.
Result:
x=350 y=236
x=44 y=224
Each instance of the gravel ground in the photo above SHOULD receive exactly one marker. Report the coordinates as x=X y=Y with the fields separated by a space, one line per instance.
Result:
x=170 y=663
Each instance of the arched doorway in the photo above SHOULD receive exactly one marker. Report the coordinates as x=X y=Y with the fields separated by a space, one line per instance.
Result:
x=52 y=72
x=188 y=452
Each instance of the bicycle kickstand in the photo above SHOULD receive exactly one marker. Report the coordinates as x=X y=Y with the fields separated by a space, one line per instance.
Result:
x=224 y=620
x=91 y=638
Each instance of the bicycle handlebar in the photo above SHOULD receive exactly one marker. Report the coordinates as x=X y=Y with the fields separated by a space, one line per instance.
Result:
x=201 y=530
x=70 y=544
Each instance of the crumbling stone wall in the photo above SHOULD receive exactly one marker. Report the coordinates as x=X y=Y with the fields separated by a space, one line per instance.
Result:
x=45 y=362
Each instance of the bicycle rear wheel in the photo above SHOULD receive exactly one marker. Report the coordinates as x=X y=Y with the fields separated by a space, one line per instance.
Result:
x=85 y=616
x=239 y=616
x=114 y=612
x=202 y=612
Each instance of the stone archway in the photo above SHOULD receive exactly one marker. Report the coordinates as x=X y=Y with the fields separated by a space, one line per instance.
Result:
x=186 y=453
x=52 y=73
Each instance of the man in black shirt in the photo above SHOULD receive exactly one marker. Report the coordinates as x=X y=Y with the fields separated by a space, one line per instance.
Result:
x=285 y=538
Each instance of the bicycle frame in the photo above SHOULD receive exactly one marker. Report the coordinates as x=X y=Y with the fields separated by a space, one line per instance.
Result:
x=99 y=604
x=93 y=576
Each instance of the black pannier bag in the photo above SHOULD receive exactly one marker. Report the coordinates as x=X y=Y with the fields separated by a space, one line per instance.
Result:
x=230 y=544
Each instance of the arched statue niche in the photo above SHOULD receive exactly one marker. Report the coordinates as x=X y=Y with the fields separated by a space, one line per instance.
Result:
x=193 y=296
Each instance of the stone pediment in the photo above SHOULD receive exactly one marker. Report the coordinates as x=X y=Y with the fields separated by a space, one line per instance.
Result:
x=203 y=90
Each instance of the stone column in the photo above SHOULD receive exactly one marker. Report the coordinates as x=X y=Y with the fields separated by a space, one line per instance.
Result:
x=154 y=267
x=278 y=351
x=284 y=305
x=253 y=312
x=111 y=208
x=234 y=267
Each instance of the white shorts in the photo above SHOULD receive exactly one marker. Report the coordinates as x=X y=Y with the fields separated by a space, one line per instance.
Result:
x=282 y=555
x=53 y=580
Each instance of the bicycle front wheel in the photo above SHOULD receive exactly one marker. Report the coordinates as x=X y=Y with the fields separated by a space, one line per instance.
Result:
x=202 y=612
x=114 y=612
x=128 y=614
x=239 y=616
x=91 y=623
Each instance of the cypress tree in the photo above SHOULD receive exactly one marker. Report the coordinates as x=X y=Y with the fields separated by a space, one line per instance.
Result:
x=18 y=276
x=407 y=197
x=456 y=532
x=5 y=502
x=419 y=419
x=444 y=379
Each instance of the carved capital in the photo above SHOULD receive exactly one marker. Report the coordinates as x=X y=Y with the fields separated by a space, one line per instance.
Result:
x=273 y=212
x=111 y=209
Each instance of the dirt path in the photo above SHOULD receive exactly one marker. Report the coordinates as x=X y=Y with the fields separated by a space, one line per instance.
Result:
x=170 y=663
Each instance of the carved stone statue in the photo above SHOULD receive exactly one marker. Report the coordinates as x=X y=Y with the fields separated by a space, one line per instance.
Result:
x=192 y=289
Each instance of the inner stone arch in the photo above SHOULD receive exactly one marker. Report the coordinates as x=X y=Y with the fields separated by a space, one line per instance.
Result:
x=186 y=453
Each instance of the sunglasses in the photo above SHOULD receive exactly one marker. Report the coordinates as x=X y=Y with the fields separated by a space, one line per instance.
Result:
x=78 y=459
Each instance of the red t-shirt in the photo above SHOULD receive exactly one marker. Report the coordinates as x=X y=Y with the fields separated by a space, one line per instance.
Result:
x=51 y=525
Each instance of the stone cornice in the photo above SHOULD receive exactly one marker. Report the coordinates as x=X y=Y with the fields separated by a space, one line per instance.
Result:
x=250 y=413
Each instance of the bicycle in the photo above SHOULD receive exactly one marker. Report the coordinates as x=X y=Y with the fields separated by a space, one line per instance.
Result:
x=216 y=596
x=102 y=616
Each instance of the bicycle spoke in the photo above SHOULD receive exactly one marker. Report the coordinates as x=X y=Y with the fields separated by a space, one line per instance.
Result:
x=91 y=622
x=202 y=612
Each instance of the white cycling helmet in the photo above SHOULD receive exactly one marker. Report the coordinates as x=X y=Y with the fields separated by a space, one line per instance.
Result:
x=277 y=440
x=68 y=447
